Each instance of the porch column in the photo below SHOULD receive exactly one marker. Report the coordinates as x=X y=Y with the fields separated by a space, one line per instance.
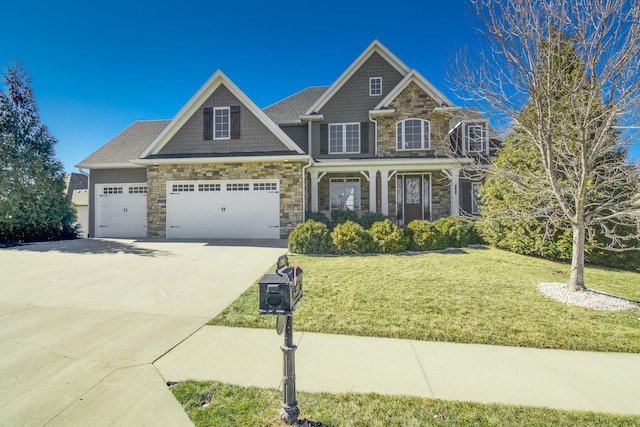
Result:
x=373 y=174
x=314 y=191
x=384 y=192
x=455 y=193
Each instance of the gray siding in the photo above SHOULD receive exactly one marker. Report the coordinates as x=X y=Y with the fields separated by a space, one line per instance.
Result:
x=108 y=176
x=352 y=101
x=254 y=135
x=299 y=135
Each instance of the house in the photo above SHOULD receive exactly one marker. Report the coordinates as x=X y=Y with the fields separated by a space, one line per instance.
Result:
x=381 y=138
x=76 y=185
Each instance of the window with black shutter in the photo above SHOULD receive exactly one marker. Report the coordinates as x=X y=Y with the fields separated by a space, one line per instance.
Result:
x=235 y=122
x=364 y=137
x=207 y=132
x=324 y=138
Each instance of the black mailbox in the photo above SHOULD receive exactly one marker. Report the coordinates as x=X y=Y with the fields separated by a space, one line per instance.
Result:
x=280 y=290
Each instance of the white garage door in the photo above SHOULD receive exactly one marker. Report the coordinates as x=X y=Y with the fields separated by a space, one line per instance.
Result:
x=121 y=210
x=223 y=209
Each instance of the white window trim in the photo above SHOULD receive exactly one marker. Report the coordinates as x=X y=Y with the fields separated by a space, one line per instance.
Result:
x=371 y=80
x=475 y=203
x=357 y=203
x=424 y=145
x=228 y=110
x=483 y=127
x=344 y=138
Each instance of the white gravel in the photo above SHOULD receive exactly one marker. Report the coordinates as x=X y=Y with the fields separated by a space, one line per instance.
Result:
x=589 y=298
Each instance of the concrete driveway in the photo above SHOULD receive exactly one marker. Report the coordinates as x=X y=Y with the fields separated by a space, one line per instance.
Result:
x=82 y=322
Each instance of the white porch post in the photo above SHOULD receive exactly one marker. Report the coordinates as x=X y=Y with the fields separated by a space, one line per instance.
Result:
x=455 y=193
x=314 y=191
x=384 y=192
x=373 y=174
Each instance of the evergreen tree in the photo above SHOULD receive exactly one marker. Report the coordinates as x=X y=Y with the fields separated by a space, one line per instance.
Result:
x=33 y=206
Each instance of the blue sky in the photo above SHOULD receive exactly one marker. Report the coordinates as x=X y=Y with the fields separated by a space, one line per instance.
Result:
x=96 y=67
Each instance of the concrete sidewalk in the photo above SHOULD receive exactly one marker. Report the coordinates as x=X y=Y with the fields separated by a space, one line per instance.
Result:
x=576 y=380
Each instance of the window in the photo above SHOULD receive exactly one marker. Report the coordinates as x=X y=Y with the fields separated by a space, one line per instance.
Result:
x=265 y=186
x=475 y=198
x=208 y=187
x=476 y=137
x=138 y=190
x=112 y=190
x=344 y=138
x=345 y=194
x=182 y=188
x=221 y=123
x=238 y=187
x=375 y=86
x=413 y=134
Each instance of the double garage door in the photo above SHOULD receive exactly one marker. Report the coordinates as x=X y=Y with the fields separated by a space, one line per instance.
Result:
x=223 y=209
x=195 y=209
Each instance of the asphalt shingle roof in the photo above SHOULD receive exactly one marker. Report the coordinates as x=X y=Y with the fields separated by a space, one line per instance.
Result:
x=128 y=144
x=292 y=107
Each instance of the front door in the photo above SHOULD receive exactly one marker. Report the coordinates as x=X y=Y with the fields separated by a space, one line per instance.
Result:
x=412 y=198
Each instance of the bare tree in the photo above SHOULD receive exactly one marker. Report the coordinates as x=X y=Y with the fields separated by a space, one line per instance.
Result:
x=576 y=105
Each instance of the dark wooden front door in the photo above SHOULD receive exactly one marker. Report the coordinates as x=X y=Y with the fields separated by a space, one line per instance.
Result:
x=412 y=198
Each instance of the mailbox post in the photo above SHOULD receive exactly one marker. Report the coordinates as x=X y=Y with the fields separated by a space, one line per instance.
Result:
x=280 y=291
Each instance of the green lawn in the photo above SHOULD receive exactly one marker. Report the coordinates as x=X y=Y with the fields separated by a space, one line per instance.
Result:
x=482 y=296
x=217 y=404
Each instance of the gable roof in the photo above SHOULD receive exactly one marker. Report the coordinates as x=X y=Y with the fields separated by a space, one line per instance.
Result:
x=374 y=47
x=125 y=146
x=292 y=107
x=424 y=84
x=216 y=80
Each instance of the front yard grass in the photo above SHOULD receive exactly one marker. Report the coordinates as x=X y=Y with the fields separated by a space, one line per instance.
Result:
x=218 y=404
x=483 y=296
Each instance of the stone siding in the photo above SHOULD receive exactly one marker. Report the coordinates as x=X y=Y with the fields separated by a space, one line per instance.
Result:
x=288 y=173
x=413 y=102
x=440 y=196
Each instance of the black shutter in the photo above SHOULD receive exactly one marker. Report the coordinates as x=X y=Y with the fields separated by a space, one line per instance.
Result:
x=235 y=122
x=364 y=137
x=207 y=133
x=324 y=138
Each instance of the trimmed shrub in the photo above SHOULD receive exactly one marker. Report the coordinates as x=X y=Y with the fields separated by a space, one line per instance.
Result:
x=368 y=219
x=342 y=216
x=456 y=232
x=350 y=238
x=424 y=236
x=310 y=237
x=387 y=237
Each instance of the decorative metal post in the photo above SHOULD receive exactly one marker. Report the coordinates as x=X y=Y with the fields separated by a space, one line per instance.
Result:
x=289 y=412
x=280 y=291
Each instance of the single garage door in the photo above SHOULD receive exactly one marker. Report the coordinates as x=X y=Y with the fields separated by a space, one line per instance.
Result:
x=121 y=210
x=223 y=209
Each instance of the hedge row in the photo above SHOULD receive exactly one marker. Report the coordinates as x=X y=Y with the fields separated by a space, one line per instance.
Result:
x=383 y=236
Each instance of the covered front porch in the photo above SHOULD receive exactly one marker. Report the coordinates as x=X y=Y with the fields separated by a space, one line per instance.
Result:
x=403 y=189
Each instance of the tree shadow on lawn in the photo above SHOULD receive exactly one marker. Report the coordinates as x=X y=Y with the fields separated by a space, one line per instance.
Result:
x=88 y=246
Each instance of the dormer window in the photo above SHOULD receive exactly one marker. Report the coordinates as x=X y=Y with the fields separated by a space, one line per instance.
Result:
x=476 y=137
x=375 y=86
x=413 y=134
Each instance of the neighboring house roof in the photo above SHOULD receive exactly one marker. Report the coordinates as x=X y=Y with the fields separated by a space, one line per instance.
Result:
x=374 y=47
x=216 y=80
x=424 y=84
x=291 y=108
x=74 y=181
x=126 y=146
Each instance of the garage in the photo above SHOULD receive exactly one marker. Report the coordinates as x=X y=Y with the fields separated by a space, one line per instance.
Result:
x=121 y=210
x=223 y=209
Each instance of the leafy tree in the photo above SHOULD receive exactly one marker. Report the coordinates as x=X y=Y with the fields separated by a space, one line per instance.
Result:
x=33 y=206
x=566 y=77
